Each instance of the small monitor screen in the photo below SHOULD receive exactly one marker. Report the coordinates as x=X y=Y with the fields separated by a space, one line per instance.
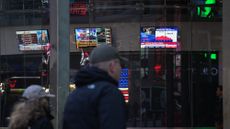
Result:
x=123 y=83
x=91 y=37
x=32 y=40
x=158 y=37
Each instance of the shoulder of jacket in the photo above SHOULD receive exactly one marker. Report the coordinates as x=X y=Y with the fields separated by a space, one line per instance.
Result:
x=104 y=83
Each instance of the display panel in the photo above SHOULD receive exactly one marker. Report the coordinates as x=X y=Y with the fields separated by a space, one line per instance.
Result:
x=31 y=40
x=158 y=37
x=202 y=10
x=123 y=83
x=91 y=37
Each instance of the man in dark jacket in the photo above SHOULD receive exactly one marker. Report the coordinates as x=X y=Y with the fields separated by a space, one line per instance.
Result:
x=97 y=103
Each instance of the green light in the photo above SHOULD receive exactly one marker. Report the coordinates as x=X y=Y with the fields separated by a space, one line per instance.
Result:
x=206 y=10
x=210 y=1
x=213 y=56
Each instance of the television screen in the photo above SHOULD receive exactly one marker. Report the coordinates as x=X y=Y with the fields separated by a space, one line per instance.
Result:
x=91 y=37
x=123 y=83
x=207 y=9
x=31 y=40
x=158 y=37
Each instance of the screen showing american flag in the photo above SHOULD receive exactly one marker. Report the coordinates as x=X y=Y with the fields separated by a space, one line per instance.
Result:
x=124 y=83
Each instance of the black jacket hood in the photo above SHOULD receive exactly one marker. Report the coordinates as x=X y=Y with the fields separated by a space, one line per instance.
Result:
x=88 y=75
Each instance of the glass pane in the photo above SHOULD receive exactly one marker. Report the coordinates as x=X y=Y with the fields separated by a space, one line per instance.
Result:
x=174 y=75
x=23 y=58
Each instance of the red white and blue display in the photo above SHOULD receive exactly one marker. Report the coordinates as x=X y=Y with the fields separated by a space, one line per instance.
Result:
x=158 y=37
x=124 y=83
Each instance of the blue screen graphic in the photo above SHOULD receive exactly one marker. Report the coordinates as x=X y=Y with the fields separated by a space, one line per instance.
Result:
x=123 y=82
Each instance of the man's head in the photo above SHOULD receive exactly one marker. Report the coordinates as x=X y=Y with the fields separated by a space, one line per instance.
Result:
x=108 y=59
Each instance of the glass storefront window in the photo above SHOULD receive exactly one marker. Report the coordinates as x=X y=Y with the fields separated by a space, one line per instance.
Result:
x=173 y=46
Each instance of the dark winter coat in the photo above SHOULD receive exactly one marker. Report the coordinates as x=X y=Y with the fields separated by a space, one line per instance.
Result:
x=96 y=103
x=42 y=123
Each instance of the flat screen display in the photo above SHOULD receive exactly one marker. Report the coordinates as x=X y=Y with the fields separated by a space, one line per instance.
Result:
x=32 y=40
x=92 y=37
x=158 y=37
x=124 y=83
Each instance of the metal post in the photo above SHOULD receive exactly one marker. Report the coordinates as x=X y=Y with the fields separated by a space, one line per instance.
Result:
x=59 y=58
x=226 y=63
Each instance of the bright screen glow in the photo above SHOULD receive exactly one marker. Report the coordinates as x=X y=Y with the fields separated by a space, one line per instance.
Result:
x=91 y=37
x=123 y=84
x=32 y=40
x=158 y=37
x=205 y=11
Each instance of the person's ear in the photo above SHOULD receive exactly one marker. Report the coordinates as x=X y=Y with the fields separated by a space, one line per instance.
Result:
x=111 y=67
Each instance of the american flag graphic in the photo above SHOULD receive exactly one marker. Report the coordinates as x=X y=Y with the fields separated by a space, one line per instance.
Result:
x=123 y=84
